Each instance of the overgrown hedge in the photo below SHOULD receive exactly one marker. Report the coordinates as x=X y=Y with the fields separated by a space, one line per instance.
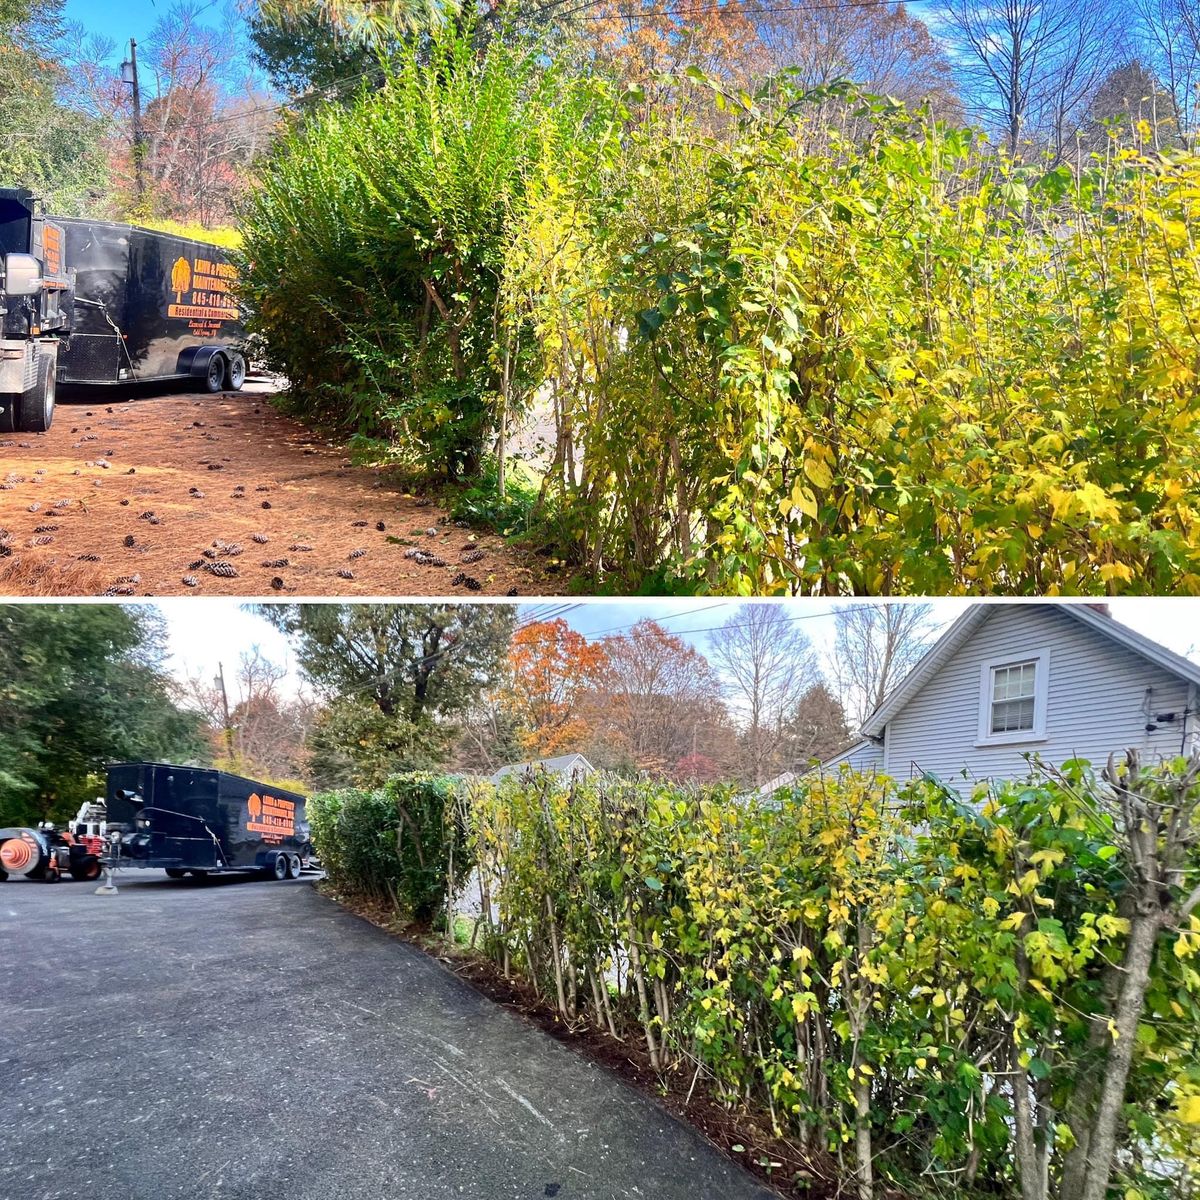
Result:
x=833 y=348
x=930 y=992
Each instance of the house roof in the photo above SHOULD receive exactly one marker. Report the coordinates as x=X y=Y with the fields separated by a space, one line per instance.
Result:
x=561 y=764
x=970 y=621
x=787 y=778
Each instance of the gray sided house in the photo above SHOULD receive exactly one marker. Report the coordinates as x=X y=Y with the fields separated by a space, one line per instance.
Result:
x=1005 y=680
x=574 y=766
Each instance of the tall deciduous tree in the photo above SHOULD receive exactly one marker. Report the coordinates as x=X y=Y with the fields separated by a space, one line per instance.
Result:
x=769 y=664
x=82 y=685
x=1168 y=36
x=554 y=670
x=1030 y=67
x=660 y=703
x=875 y=646
x=268 y=729
x=396 y=677
x=883 y=47
x=48 y=146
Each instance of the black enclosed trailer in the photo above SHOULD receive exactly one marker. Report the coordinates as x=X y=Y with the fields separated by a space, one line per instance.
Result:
x=96 y=303
x=198 y=821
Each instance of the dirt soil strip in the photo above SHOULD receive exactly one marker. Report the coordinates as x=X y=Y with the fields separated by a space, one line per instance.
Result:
x=148 y=496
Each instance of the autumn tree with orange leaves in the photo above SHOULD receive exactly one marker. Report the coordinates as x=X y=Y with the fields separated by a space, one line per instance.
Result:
x=660 y=707
x=554 y=669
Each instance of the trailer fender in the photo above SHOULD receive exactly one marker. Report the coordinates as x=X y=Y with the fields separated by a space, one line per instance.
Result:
x=194 y=360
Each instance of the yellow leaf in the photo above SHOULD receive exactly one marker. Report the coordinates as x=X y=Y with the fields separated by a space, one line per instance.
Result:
x=818 y=472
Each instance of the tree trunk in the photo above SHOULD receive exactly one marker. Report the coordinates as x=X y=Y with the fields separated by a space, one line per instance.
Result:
x=862 y=1137
x=635 y=965
x=1139 y=954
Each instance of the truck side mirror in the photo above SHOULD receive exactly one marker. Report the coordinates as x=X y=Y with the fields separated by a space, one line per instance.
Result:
x=22 y=275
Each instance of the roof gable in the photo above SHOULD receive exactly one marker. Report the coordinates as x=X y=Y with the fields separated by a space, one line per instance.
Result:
x=966 y=625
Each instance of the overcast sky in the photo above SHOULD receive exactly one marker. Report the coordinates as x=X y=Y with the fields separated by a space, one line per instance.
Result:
x=204 y=632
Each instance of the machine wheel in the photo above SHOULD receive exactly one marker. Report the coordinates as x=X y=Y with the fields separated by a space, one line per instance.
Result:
x=279 y=868
x=8 y=411
x=35 y=409
x=175 y=873
x=293 y=866
x=87 y=868
x=235 y=372
x=214 y=379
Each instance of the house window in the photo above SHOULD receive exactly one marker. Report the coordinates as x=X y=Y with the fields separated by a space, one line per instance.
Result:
x=1012 y=700
x=1013 y=697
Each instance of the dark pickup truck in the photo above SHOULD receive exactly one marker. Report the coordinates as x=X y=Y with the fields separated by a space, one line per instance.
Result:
x=98 y=303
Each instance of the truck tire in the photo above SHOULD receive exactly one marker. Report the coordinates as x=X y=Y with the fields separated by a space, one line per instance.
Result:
x=8 y=412
x=279 y=868
x=235 y=372
x=293 y=866
x=86 y=868
x=214 y=378
x=175 y=873
x=35 y=408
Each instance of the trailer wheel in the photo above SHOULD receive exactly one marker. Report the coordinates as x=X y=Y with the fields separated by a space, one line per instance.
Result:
x=35 y=408
x=175 y=873
x=214 y=379
x=235 y=372
x=279 y=868
x=293 y=866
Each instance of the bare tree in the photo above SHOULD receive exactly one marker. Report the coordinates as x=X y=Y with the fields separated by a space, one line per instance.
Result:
x=874 y=648
x=267 y=729
x=768 y=665
x=659 y=703
x=1169 y=40
x=882 y=47
x=1030 y=67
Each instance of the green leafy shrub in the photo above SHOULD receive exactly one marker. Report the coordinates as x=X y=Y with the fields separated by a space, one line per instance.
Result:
x=375 y=245
x=402 y=842
x=872 y=358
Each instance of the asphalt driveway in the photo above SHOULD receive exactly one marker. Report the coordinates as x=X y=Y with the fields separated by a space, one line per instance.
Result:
x=251 y=1039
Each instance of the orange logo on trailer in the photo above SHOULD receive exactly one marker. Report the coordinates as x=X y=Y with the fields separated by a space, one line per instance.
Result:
x=181 y=278
x=209 y=286
x=271 y=816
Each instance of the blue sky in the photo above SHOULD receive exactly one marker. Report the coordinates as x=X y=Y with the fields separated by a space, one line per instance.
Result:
x=203 y=632
x=120 y=22
x=135 y=18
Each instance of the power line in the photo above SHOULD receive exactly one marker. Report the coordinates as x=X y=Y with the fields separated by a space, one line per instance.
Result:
x=731 y=8
x=728 y=625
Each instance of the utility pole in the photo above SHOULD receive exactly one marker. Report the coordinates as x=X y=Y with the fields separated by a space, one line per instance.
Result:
x=225 y=710
x=129 y=75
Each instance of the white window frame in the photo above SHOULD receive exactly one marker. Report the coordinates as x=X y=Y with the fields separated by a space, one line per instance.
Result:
x=1041 y=687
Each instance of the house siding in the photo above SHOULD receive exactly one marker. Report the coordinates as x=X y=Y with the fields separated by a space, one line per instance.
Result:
x=1094 y=704
x=865 y=757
